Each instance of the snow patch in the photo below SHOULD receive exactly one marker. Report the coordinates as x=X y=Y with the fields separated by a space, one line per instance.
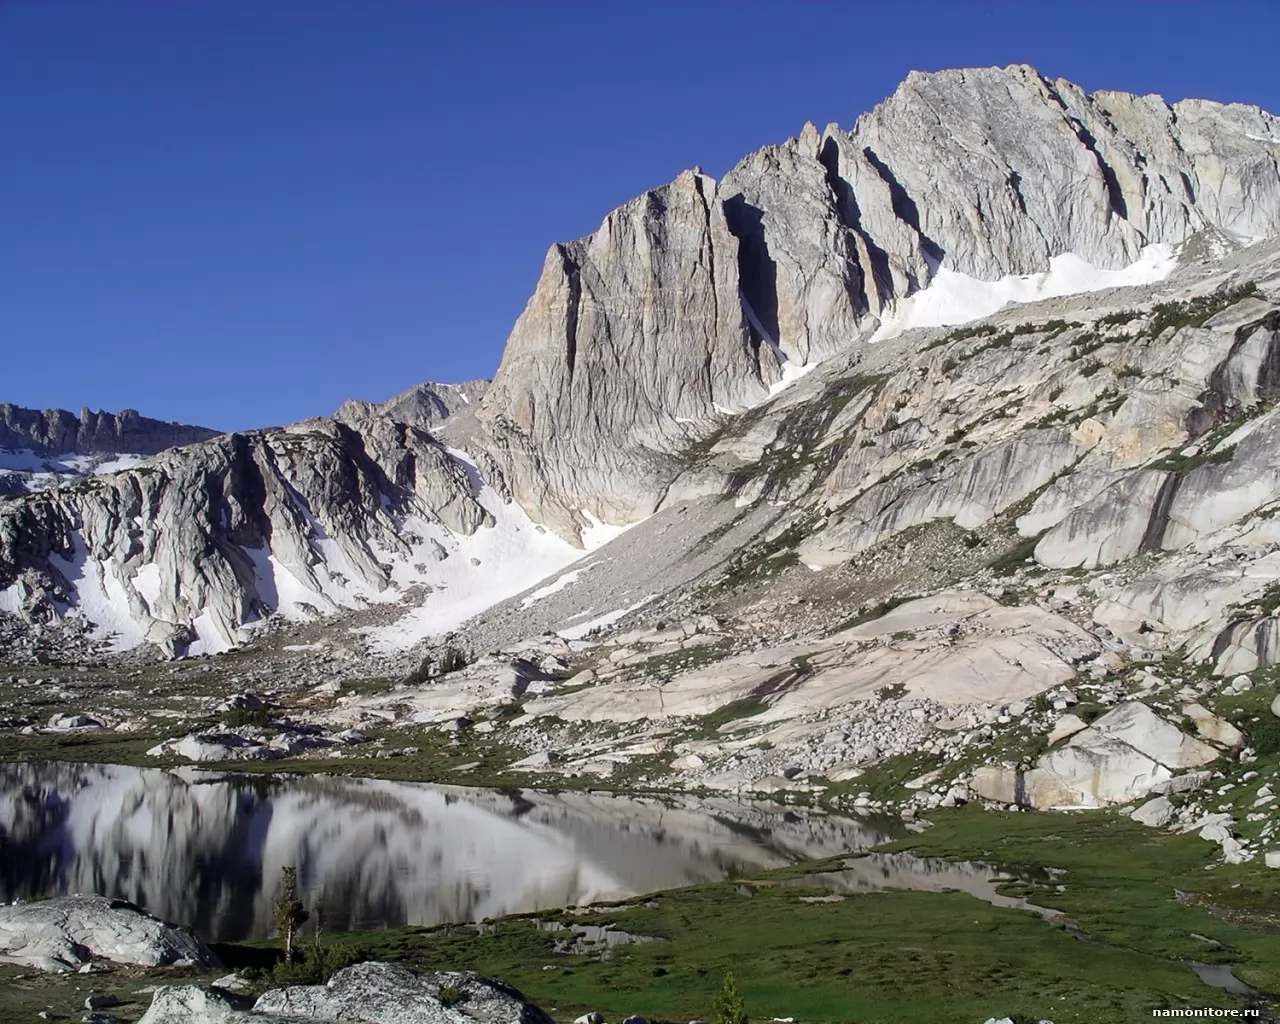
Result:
x=581 y=630
x=598 y=534
x=493 y=564
x=117 y=464
x=555 y=586
x=100 y=597
x=208 y=639
x=146 y=581
x=954 y=298
x=40 y=472
x=11 y=600
x=791 y=372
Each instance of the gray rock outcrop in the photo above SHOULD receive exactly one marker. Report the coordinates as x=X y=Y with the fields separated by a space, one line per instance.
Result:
x=64 y=933
x=59 y=432
x=368 y=993
x=1126 y=754
x=202 y=539
x=423 y=405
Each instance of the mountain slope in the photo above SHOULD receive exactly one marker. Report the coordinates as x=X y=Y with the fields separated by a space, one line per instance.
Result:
x=658 y=361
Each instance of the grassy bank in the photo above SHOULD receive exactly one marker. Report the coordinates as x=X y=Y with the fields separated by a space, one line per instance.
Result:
x=1148 y=903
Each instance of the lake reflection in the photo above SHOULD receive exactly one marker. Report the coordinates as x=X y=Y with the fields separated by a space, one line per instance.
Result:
x=206 y=849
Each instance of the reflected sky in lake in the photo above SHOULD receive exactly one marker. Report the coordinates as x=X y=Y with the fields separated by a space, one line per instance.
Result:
x=206 y=849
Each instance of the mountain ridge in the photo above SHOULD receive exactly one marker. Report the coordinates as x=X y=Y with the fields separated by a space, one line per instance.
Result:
x=693 y=304
x=60 y=432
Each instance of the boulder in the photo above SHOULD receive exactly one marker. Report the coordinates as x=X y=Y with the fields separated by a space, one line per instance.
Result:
x=1213 y=728
x=395 y=995
x=190 y=1004
x=1275 y=706
x=213 y=747
x=540 y=759
x=1156 y=812
x=64 y=933
x=368 y=993
x=1128 y=753
x=1141 y=728
x=1067 y=725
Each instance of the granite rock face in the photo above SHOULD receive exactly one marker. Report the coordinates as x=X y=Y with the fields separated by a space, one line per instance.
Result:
x=423 y=405
x=185 y=549
x=58 y=432
x=689 y=300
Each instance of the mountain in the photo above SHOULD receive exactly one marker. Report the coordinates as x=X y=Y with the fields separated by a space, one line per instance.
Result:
x=762 y=338
x=40 y=448
x=698 y=296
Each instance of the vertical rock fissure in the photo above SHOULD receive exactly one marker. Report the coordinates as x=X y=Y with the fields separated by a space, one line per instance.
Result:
x=757 y=271
x=1115 y=195
x=904 y=207
x=850 y=216
x=1158 y=520
x=1217 y=404
x=574 y=277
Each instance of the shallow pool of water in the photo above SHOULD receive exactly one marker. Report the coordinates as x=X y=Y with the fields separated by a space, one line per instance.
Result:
x=873 y=872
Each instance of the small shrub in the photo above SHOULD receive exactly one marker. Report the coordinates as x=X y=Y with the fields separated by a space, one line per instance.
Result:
x=452 y=995
x=1265 y=739
x=1119 y=318
x=1016 y=557
x=239 y=718
x=317 y=965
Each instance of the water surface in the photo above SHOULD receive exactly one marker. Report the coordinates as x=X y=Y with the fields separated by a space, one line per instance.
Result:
x=206 y=849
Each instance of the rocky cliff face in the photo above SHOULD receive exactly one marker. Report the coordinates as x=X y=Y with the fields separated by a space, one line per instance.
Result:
x=58 y=432
x=45 y=448
x=691 y=300
x=645 y=367
x=188 y=547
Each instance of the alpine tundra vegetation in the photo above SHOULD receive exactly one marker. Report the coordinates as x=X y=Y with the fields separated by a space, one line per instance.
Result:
x=866 y=565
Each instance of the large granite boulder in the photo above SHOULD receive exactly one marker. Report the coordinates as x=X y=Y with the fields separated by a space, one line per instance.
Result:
x=1126 y=754
x=63 y=934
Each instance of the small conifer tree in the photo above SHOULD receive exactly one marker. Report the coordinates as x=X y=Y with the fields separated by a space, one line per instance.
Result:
x=729 y=1007
x=290 y=913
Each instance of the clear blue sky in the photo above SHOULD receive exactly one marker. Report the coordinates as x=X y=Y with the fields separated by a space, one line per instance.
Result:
x=241 y=212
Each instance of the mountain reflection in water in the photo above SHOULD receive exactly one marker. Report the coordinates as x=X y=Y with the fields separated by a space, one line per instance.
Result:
x=206 y=849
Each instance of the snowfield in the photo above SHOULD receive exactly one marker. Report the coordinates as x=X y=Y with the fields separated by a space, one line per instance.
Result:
x=953 y=298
